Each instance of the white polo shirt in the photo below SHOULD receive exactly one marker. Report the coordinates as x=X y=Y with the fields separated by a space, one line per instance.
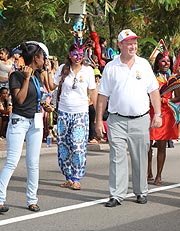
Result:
x=126 y=88
x=75 y=100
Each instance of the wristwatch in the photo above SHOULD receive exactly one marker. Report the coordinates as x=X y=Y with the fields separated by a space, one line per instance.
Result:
x=158 y=114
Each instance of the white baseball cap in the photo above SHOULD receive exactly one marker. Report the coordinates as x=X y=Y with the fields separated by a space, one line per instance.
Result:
x=126 y=35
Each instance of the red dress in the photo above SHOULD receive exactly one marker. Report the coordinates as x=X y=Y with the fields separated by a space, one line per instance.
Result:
x=169 y=128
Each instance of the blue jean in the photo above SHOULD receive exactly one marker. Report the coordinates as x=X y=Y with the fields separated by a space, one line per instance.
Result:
x=16 y=134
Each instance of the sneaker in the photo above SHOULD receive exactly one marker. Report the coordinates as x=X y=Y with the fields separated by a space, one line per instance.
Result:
x=141 y=199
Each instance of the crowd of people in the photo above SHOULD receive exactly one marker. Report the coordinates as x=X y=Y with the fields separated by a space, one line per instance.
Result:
x=127 y=103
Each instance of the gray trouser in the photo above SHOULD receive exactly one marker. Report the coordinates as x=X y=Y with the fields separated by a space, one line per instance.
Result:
x=134 y=134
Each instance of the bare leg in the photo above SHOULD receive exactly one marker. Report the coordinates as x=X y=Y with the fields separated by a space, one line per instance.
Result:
x=161 y=156
x=178 y=139
x=4 y=128
x=150 y=175
x=0 y=126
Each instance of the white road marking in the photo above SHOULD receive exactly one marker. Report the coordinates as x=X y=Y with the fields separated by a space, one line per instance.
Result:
x=72 y=207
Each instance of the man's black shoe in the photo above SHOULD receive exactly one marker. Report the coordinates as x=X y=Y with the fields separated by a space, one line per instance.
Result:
x=112 y=203
x=141 y=199
x=170 y=144
x=3 y=208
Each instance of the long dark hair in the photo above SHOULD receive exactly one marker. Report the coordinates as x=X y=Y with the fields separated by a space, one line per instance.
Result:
x=29 y=51
x=6 y=51
x=66 y=68
x=156 y=63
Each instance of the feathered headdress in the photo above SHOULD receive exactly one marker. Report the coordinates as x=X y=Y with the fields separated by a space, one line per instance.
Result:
x=79 y=47
x=160 y=48
x=164 y=50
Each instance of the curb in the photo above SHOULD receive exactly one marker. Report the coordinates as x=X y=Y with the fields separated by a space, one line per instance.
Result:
x=90 y=147
x=53 y=150
x=98 y=147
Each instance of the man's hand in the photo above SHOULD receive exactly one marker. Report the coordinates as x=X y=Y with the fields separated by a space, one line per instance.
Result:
x=156 y=122
x=99 y=127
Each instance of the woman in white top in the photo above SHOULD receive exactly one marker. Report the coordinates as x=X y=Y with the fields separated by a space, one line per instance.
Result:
x=5 y=67
x=73 y=119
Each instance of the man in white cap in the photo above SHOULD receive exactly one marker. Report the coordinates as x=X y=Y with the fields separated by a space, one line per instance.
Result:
x=128 y=83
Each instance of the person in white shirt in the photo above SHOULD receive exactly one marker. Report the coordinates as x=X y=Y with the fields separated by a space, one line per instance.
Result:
x=127 y=83
x=76 y=81
x=5 y=67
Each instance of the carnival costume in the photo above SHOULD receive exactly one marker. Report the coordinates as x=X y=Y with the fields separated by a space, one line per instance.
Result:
x=170 y=111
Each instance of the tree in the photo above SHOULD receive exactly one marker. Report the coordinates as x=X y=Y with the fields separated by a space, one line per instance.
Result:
x=35 y=20
x=48 y=21
x=149 y=18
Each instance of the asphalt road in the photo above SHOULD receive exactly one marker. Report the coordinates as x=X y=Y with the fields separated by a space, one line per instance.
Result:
x=67 y=210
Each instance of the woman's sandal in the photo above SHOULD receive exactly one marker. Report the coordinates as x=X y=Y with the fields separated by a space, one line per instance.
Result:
x=34 y=208
x=93 y=141
x=67 y=184
x=158 y=181
x=150 y=179
x=76 y=185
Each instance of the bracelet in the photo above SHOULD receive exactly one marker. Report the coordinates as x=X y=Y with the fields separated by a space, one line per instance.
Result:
x=158 y=114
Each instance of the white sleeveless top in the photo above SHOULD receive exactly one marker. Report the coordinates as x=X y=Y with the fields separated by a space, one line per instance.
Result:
x=4 y=70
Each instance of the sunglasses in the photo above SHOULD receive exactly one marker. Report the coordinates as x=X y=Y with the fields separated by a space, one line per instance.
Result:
x=76 y=55
x=74 y=86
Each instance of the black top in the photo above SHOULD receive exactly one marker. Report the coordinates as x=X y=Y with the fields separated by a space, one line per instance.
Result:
x=104 y=51
x=29 y=107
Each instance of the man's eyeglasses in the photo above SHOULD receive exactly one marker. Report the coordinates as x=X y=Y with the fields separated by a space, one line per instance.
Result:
x=76 y=55
x=74 y=86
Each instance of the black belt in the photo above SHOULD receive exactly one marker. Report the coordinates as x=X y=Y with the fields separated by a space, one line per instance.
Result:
x=132 y=117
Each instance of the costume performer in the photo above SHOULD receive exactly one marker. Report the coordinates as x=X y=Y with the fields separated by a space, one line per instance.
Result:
x=168 y=86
